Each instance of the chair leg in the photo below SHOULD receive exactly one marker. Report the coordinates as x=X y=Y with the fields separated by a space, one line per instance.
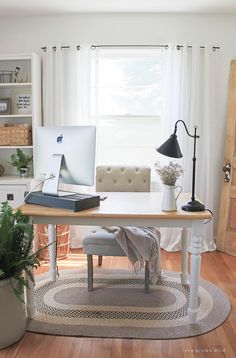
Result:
x=147 y=289
x=99 y=260
x=159 y=264
x=90 y=272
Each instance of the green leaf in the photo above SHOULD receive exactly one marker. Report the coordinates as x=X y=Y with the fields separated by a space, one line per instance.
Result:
x=16 y=238
x=20 y=159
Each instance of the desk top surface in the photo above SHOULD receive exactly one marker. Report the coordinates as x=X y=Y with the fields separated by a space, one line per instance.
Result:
x=123 y=205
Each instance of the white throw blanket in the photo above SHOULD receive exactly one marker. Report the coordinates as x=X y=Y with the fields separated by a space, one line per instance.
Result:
x=140 y=244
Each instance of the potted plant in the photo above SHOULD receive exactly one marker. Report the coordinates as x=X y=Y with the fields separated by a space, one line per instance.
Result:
x=16 y=236
x=169 y=174
x=22 y=162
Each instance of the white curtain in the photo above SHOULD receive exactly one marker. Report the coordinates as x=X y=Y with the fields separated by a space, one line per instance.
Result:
x=66 y=98
x=191 y=95
x=66 y=86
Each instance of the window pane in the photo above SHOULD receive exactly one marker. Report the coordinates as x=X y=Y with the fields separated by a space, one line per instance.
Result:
x=131 y=71
x=129 y=84
x=128 y=141
x=129 y=101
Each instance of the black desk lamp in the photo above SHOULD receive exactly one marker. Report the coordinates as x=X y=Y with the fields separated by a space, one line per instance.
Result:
x=171 y=149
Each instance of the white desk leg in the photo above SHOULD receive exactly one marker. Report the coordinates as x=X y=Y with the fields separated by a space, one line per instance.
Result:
x=184 y=256
x=195 y=266
x=52 y=251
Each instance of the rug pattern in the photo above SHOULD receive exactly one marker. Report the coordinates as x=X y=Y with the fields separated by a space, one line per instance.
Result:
x=118 y=306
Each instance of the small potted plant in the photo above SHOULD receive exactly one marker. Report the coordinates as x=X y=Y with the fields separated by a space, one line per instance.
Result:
x=22 y=162
x=16 y=236
x=169 y=174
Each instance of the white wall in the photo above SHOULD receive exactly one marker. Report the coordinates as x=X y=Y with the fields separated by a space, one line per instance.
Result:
x=27 y=34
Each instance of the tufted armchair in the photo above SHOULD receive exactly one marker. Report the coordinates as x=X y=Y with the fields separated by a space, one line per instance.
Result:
x=100 y=242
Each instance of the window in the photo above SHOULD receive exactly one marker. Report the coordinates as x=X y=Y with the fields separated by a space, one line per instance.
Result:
x=127 y=104
x=129 y=83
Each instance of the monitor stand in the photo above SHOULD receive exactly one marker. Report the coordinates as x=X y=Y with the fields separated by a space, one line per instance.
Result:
x=50 y=185
x=51 y=197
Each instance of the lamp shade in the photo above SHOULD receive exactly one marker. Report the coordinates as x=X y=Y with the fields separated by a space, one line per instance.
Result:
x=171 y=147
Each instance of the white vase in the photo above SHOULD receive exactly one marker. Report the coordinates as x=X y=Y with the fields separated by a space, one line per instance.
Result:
x=24 y=172
x=170 y=197
x=12 y=315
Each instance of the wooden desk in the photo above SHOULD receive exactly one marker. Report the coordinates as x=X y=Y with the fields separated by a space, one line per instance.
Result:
x=129 y=209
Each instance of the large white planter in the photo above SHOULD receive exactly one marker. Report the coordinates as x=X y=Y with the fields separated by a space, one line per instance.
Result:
x=12 y=315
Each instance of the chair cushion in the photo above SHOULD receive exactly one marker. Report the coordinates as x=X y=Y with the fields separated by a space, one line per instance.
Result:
x=101 y=242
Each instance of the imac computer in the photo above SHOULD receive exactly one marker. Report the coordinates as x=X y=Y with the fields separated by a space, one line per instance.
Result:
x=63 y=154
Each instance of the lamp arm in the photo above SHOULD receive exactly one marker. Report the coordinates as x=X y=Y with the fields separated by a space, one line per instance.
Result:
x=190 y=135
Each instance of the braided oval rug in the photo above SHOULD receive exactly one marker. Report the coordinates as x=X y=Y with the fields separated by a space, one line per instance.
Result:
x=118 y=306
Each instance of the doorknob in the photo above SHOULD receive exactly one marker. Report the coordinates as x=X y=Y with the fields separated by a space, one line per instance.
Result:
x=227 y=170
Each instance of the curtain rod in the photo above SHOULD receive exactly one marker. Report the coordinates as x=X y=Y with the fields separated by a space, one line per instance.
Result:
x=178 y=47
x=93 y=47
x=61 y=47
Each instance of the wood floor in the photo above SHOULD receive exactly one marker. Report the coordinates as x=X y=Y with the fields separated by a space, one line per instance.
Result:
x=217 y=267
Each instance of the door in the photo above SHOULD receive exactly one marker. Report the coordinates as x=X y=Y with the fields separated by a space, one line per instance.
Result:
x=226 y=235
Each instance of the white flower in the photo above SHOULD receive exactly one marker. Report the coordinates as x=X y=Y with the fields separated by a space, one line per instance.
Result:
x=169 y=173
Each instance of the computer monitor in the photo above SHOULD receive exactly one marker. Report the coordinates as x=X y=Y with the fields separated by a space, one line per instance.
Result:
x=66 y=153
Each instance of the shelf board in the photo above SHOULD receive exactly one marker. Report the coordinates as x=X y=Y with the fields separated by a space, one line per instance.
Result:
x=18 y=84
x=15 y=115
x=14 y=179
x=16 y=146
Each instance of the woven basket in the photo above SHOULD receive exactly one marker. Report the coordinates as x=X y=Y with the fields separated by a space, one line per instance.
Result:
x=63 y=249
x=15 y=134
